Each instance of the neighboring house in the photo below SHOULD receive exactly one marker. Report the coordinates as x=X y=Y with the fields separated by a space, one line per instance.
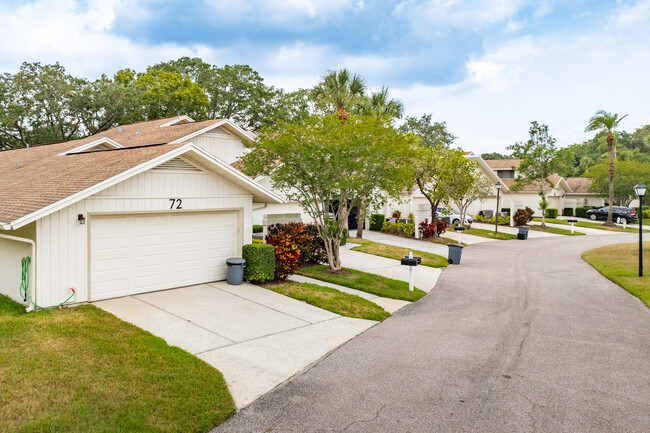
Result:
x=143 y=207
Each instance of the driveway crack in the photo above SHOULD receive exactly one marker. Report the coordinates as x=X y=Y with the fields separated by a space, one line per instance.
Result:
x=365 y=420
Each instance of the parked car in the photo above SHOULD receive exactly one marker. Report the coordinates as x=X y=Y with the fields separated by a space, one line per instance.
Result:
x=454 y=216
x=619 y=214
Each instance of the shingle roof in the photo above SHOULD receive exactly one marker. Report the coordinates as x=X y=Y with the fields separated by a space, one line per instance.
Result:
x=579 y=185
x=534 y=186
x=32 y=178
x=503 y=164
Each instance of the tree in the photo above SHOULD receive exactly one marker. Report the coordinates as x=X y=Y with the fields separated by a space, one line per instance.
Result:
x=167 y=94
x=626 y=175
x=466 y=185
x=433 y=134
x=328 y=166
x=338 y=91
x=494 y=155
x=539 y=159
x=381 y=105
x=605 y=121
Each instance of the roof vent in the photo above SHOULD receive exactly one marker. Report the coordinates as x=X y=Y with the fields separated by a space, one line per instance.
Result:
x=121 y=129
x=177 y=164
x=138 y=133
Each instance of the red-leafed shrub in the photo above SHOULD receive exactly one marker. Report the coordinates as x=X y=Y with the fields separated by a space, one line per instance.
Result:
x=427 y=228
x=306 y=238
x=287 y=254
x=397 y=214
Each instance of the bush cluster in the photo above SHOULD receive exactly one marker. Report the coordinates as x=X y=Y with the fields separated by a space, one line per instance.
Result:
x=377 y=221
x=646 y=214
x=427 y=229
x=397 y=214
x=522 y=216
x=503 y=221
x=407 y=230
x=567 y=211
x=258 y=228
x=551 y=213
x=582 y=212
x=260 y=262
x=306 y=238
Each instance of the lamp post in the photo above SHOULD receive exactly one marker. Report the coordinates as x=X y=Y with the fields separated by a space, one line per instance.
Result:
x=496 y=216
x=640 y=190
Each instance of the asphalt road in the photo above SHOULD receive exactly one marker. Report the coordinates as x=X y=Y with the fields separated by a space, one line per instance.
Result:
x=523 y=336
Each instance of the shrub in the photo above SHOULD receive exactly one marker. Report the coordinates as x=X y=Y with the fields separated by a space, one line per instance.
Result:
x=306 y=238
x=506 y=210
x=410 y=216
x=344 y=238
x=480 y=213
x=399 y=228
x=426 y=228
x=522 y=216
x=260 y=262
x=258 y=228
x=503 y=221
x=397 y=214
x=376 y=221
x=287 y=254
x=551 y=213
x=567 y=211
x=582 y=212
x=258 y=241
x=646 y=214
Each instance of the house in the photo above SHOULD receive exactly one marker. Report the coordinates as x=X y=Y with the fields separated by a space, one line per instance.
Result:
x=142 y=207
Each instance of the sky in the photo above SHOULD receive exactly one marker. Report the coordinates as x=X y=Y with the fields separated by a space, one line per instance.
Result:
x=486 y=67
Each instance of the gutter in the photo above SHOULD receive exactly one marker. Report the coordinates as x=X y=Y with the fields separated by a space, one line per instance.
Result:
x=32 y=269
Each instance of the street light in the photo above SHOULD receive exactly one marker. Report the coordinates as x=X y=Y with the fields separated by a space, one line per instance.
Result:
x=496 y=217
x=640 y=190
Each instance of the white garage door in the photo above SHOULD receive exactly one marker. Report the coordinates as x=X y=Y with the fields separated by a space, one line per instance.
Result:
x=132 y=254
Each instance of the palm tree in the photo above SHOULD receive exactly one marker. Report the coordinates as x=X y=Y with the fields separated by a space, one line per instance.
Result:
x=338 y=90
x=605 y=121
x=380 y=105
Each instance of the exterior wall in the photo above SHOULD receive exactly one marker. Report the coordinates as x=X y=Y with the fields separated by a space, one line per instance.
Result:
x=63 y=244
x=582 y=200
x=221 y=144
x=11 y=254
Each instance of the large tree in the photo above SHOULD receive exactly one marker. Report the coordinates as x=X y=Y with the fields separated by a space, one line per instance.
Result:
x=539 y=159
x=626 y=175
x=170 y=94
x=432 y=133
x=604 y=121
x=329 y=166
x=380 y=104
x=338 y=92
x=466 y=184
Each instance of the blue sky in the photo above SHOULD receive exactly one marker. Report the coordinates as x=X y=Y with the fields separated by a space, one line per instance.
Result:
x=486 y=67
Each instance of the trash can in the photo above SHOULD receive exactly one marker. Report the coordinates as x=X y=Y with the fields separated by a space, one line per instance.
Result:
x=455 y=251
x=235 y=275
x=523 y=232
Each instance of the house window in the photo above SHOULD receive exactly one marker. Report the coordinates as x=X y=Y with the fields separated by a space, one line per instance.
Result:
x=506 y=174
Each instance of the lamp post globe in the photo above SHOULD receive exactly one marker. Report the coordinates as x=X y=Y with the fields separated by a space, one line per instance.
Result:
x=640 y=190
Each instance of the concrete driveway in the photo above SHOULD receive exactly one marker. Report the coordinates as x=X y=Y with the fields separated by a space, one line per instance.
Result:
x=521 y=337
x=255 y=337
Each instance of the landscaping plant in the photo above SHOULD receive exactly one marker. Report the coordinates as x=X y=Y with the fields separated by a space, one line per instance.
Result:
x=260 y=262
x=405 y=229
x=287 y=254
x=306 y=238
x=522 y=216
x=376 y=221
x=397 y=214
x=428 y=230
x=568 y=211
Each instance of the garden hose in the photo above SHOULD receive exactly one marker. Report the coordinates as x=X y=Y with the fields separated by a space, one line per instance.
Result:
x=24 y=286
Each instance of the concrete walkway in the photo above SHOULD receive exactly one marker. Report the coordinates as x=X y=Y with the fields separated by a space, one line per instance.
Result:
x=532 y=234
x=522 y=337
x=255 y=337
x=585 y=230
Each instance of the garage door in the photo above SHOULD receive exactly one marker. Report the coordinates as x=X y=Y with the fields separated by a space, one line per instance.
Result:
x=132 y=254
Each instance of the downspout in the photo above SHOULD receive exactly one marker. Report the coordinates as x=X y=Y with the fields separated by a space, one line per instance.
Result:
x=32 y=271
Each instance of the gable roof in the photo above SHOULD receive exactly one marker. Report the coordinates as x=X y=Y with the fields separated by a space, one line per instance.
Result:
x=34 y=180
x=555 y=179
x=579 y=185
x=503 y=164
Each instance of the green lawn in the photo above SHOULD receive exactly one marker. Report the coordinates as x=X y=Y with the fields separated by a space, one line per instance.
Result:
x=555 y=230
x=393 y=252
x=366 y=282
x=592 y=225
x=84 y=370
x=620 y=263
x=332 y=300
x=490 y=234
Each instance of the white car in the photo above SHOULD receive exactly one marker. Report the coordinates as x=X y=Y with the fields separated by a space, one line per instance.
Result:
x=454 y=216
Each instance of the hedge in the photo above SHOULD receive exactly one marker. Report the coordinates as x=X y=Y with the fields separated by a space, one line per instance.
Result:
x=260 y=262
x=568 y=211
x=402 y=228
x=258 y=228
x=646 y=214
x=582 y=212
x=376 y=221
x=551 y=213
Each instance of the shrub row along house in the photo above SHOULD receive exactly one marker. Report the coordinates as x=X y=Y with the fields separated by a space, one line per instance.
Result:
x=142 y=207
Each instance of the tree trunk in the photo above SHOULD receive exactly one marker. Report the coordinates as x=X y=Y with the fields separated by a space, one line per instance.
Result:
x=610 y=149
x=362 y=219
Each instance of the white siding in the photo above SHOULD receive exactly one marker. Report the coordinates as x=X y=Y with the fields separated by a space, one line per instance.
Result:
x=11 y=254
x=62 y=251
x=221 y=144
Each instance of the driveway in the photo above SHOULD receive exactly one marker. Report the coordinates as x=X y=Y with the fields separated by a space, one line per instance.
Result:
x=521 y=337
x=255 y=337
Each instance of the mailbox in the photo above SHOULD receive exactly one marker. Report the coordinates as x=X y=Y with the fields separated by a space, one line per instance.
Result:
x=459 y=228
x=411 y=261
x=572 y=220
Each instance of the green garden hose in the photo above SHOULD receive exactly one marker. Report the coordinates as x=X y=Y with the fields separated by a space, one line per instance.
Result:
x=24 y=286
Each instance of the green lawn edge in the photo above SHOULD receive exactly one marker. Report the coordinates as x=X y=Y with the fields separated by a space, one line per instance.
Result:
x=490 y=234
x=370 y=247
x=364 y=281
x=83 y=369
x=592 y=225
x=555 y=230
x=335 y=301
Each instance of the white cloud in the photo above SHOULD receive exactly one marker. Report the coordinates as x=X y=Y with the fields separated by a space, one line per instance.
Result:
x=281 y=12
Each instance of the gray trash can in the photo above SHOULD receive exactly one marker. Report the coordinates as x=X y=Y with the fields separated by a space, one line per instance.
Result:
x=235 y=275
x=523 y=232
x=455 y=251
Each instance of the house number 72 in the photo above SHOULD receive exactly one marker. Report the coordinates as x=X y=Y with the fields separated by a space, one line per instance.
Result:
x=176 y=203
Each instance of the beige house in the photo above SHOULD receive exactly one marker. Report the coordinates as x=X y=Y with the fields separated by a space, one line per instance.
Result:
x=143 y=207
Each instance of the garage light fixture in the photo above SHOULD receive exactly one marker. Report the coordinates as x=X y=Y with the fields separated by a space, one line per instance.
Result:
x=81 y=218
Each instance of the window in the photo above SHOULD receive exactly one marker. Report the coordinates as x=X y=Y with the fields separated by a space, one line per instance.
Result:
x=506 y=174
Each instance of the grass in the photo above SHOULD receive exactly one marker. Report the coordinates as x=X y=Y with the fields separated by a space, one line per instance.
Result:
x=393 y=252
x=438 y=240
x=555 y=230
x=82 y=369
x=490 y=234
x=332 y=300
x=592 y=225
x=620 y=264
x=364 y=281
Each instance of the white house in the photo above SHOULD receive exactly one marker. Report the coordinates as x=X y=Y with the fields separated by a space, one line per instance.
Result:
x=142 y=207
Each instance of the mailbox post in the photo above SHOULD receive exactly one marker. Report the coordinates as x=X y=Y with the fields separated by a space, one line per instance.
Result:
x=411 y=262
x=459 y=229
x=572 y=221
